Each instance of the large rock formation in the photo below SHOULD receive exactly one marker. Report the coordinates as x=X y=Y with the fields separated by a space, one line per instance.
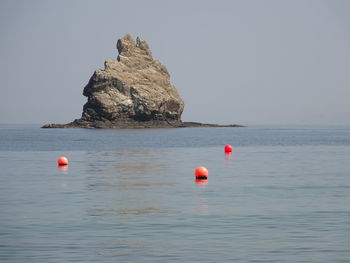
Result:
x=132 y=91
x=136 y=87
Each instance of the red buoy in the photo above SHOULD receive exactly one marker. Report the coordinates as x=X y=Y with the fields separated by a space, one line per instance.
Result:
x=228 y=148
x=201 y=173
x=62 y=161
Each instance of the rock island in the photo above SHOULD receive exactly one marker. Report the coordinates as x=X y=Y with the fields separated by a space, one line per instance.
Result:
x=133 y=91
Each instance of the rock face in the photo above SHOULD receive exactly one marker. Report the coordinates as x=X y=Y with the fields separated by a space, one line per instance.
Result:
x=136 y=87
x=133 y=91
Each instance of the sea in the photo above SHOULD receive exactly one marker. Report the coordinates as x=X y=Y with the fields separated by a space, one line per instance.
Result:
x=283 y=195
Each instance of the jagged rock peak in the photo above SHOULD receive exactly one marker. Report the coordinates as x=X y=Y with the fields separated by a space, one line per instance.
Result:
x=126 y=46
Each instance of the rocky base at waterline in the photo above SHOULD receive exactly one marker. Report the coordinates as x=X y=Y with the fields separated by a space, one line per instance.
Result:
x=133 y=91
x=135 y=125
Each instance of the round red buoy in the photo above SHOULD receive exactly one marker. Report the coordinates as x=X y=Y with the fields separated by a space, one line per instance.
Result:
x=228 y=148
x=201 y=173
x=62 y=161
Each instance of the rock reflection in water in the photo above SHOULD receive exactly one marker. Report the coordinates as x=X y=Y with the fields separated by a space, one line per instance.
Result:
x=130 y=179
x=141 y=168
x=130 y=211
x=129 y=185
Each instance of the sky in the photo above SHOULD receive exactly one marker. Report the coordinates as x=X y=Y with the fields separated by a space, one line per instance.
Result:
x=246 y=62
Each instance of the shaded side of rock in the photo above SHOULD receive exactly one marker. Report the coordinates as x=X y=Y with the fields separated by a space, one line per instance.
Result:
x=138 y=125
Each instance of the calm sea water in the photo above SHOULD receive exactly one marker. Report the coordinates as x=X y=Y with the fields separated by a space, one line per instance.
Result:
x=130 y=195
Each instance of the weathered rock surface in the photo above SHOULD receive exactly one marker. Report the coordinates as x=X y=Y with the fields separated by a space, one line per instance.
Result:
x=133 y=91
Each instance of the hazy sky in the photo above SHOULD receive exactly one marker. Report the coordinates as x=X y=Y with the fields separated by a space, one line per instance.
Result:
x=247 y=62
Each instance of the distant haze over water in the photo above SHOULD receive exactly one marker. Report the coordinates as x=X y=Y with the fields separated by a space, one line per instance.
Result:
x=245 y=62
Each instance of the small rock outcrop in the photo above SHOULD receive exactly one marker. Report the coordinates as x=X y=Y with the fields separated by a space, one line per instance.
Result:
x=133 y=91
